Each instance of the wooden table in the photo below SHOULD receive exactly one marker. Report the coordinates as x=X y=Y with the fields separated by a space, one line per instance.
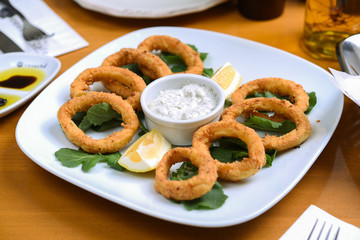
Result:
x=34 y=204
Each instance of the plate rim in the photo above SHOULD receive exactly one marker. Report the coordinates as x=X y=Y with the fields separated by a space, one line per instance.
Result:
x=146 y=13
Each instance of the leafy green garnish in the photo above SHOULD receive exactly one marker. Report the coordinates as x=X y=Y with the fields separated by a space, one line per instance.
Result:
x=228 y=103
x=211 y=200
x=176 y=63
x=142 y=127
x=312 y=101
x=268 y=125
x=214 y=199
x=72 y=158
x=208 y=72
x=233 y=149
x=270 y=156
x=267 y=94
x=99 y=117
x=184 y=172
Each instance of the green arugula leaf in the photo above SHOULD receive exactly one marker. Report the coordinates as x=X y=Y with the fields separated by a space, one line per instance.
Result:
x=107 y=125
x=268 y=125
x=193 y=47
x=214 y=199
x=78 y=117
x=176 y=63
x=267 y=94
x=234 y=149
x=208 y=72
x=203 y=56
x=143 y=128
x=222 y=154
x=211 y=200
x=312 y=102
x=85 y=124
x=134 y=68
x=99 y=117
x=185 y=171
x=112 y=160
x=73 y=158
x=100 y=113
x=228 y=103
x=270 y=156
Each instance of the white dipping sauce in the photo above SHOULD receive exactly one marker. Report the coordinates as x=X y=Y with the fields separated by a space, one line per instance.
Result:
x=189 y=102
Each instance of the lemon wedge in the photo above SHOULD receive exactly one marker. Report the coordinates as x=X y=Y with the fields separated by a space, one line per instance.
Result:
x=228 y=78
x=145 y=153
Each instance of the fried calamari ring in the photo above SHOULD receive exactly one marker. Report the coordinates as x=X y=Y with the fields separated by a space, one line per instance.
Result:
x=121 y=81
x=237 y=170
x=283 y=107
x=172 y=45
x=110 y=143
x=191 y=188
x=150 y=64
x=280 y=86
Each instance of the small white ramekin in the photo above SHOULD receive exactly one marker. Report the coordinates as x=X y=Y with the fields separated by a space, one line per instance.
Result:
x=179 y=132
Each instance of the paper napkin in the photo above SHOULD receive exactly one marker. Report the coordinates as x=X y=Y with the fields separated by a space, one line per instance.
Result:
x=348 y=84
x=64 y=39
x=302 y=227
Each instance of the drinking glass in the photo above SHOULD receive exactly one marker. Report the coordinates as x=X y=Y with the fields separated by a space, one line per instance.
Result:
x=327 y=22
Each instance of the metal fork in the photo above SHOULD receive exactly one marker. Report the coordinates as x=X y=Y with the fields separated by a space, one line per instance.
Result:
x=323 y=235
x=30 y=32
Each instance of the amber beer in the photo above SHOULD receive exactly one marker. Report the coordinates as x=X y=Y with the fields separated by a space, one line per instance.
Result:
x=327 y=22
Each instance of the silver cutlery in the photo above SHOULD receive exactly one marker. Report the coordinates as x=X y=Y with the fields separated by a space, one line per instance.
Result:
x=348 y=53
x=8 y=45
x=30 y=32
x=325 y=233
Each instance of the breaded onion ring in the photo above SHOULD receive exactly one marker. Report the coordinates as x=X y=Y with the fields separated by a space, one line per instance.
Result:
x=150 y=64
x=283 y=107
x=237 y=170
x=110 y=143
x=280 y=86
x=172 y=45
x=191 y=188
x=121 y=81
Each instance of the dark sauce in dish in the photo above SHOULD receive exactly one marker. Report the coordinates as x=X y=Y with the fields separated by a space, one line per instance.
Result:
x=18 y=81
x=23 y=78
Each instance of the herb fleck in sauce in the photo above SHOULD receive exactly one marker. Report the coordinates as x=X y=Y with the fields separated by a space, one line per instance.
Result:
x=3 y=101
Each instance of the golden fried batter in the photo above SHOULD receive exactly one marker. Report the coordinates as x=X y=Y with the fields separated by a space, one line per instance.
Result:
x=283 y=107
x=173 y=45
x=121 y=81
x=150 y=64
x=191 y=188
x=110 y=143
x=237 y=170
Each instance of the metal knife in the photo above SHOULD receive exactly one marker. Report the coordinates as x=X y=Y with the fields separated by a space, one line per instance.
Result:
x=8 y=45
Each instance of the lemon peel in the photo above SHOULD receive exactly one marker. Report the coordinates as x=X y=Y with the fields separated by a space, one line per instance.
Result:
x=228 y=78
x=145 y=153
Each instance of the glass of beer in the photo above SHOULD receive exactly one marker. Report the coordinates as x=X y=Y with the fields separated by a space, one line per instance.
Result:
x=327 y=22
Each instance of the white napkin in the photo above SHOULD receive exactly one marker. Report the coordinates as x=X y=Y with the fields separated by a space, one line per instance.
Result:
x=64 y=39
x=302 y=227
x=348 y=84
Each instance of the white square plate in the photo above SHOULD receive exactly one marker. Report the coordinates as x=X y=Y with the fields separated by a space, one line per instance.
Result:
x=39 y=135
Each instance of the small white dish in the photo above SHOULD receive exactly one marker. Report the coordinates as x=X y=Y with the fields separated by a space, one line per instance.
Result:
x=179 y=132
x=49 y=65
